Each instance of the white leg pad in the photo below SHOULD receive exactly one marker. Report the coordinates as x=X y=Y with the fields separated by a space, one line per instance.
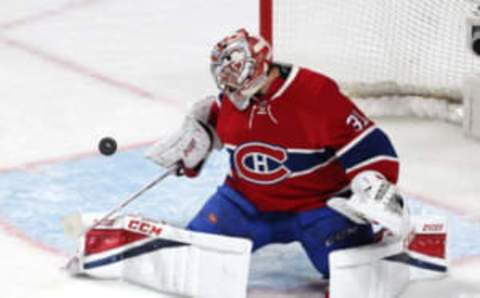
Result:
x=428 y=244
x=363 y=273
x=165 y=258
x=195 y=270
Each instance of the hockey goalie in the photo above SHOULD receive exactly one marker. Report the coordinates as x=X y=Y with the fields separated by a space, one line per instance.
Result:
x=306 y=165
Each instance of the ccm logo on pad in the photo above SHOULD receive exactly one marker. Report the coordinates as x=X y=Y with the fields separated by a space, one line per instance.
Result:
x=144 y=227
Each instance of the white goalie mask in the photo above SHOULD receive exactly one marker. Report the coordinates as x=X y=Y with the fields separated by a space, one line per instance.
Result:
x=239 y=65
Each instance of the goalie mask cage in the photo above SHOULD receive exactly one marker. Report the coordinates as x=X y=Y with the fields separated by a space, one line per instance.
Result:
x=376 y=48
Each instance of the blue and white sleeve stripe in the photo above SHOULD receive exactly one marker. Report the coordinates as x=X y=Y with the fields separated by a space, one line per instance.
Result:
x=369 y=147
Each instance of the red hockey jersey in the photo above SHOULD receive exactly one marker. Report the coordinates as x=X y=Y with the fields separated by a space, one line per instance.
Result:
x=299 y=144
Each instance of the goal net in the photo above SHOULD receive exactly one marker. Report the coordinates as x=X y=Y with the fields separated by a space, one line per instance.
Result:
x=402 y=48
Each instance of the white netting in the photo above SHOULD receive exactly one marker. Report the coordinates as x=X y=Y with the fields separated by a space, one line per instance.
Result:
x=379 y=47
x=422 y=107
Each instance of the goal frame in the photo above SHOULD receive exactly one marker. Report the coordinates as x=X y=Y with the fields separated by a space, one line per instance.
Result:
x=266 y=20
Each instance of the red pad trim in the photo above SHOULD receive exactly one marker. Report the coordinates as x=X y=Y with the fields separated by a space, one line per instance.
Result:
x=97 y=241
x=429 y=244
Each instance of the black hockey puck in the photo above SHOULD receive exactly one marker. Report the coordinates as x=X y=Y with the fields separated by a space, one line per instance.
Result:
x=476 y=40
x=107 y=146
x=476 y=46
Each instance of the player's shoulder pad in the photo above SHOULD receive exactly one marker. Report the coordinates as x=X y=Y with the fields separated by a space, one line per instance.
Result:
x=317 y=82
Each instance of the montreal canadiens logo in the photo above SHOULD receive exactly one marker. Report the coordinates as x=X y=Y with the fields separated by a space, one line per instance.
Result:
x=261 y=163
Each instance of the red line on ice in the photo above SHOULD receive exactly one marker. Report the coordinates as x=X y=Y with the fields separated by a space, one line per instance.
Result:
x=69 y=6
x=466 y=260
x=49 y=161
x=456 y=210
x=83 y=70
x=14 y=232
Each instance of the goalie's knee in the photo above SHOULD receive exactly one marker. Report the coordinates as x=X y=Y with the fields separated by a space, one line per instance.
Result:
x=220 y=215
x=319 y=241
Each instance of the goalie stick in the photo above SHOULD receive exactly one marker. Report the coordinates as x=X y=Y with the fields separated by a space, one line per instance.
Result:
x=72 y=225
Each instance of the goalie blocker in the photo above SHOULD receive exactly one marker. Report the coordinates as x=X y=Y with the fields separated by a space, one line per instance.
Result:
x=164 y=258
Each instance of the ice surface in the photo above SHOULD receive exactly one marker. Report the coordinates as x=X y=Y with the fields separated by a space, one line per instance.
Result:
x=72 y=72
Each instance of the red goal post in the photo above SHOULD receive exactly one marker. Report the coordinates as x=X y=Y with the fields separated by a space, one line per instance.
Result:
x=266 y=17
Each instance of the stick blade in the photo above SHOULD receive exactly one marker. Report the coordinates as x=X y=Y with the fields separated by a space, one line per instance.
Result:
x=72 y=225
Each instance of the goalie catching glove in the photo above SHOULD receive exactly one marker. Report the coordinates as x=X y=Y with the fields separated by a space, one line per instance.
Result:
x=374 y=200
x=186 y=149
